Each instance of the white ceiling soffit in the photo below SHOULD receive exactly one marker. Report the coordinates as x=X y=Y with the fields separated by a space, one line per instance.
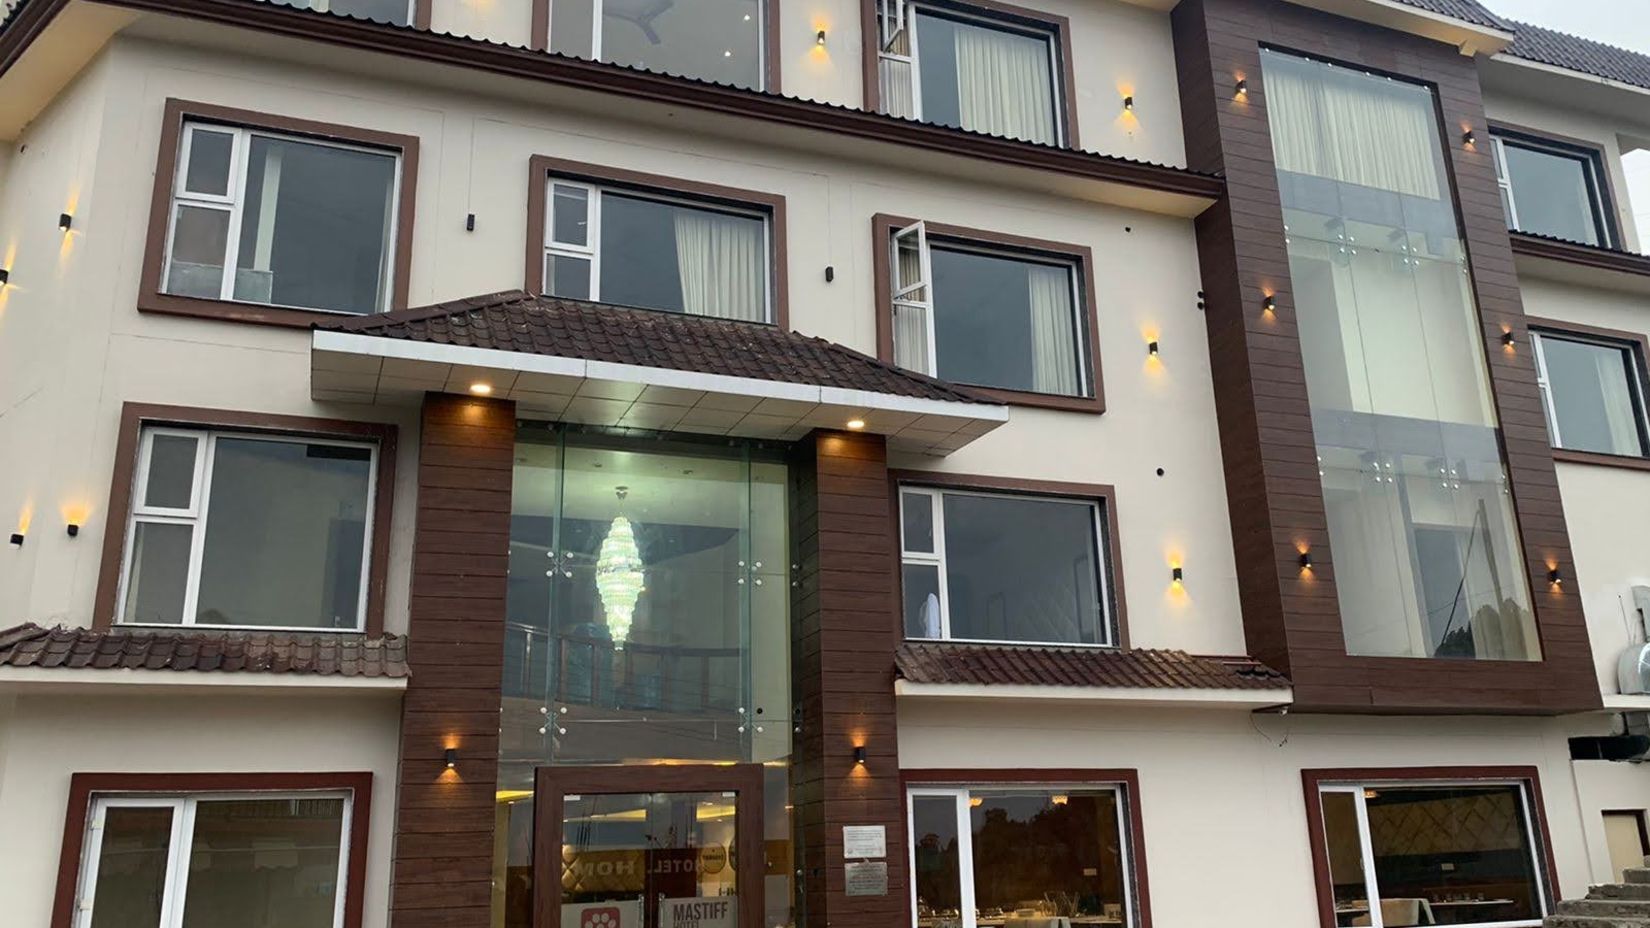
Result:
x=350 y=368
x=1246 y=700
x=1468 y=38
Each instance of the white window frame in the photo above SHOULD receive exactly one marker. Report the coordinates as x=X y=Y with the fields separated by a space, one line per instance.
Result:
x=233 y=202
x=1635 y=381
x=183 y=808
x=901 y=295
x=1598 y=202
x=937 y=558
x=597 y=14
x=960 y=796
x=591 y=250
x=895 y=17
x=195 y=515
x=1372 y=881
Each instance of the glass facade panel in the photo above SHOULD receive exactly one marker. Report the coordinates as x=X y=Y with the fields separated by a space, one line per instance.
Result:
x=648 y=623
x=1420 y=517
x=642 y=855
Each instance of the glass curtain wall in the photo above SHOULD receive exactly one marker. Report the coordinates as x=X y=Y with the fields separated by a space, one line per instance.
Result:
x=1420 y=515
x=648 y=623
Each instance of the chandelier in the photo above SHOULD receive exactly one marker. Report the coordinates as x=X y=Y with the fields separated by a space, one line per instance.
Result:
x=619 y=576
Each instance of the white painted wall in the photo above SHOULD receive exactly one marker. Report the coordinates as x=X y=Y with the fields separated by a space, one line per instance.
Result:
x=1611 y=787
x=45 y=739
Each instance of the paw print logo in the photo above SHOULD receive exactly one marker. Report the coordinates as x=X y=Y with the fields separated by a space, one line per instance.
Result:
x=600 y=918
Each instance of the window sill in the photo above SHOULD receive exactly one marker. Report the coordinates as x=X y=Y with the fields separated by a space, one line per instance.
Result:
x=282 y=630
x=230 y=311
x=1625 y=462
x=1093 y=405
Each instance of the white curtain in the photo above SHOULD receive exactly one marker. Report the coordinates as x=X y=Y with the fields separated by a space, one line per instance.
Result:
x=720 y=262
x=1353 y=128
x=897 y=93
x=911 y=318
x=1618 y=403
x=1004 y=84
x=1053 y=336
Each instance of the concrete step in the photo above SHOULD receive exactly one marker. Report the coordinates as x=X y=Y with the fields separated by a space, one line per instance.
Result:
x=1636 y=875
x=1620 y=891
x=1606 y=908
x=1588 y=921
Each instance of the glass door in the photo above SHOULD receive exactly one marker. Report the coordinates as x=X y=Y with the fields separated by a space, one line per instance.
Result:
x=649 y=847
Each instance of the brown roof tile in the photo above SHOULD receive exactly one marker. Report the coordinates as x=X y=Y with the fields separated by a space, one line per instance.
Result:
x=1465 y=10
x=989 y=665
x=519 y=321
x=1573 y=53
x=345 y=655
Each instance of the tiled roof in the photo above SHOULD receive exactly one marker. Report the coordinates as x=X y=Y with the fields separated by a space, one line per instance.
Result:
x=1562 y=50
x=1465 y=10
x=32 y=645
x=519 y=321
x=920 y=662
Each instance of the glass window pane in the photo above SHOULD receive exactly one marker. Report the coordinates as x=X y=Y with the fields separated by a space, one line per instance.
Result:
x=1593 y=396
x=315 y=227
x=1022 y=569
x=1343 y=847
x=938 y=854
x=200 y=237
x=986 y=79
x=666 y=256
x=383 y=11
x=131 y=867
x=171 y=471
x=158 y=578
x=1553 y=194
x=921 y=583
x=572 y=26
x=713 y=40
x=1047 y=855
x=1462 y=855
x=668 y=850
x=265 y=863
x=1005 y=322
x=917 y=521
x=569 y=215
x=296 y=511
x=209 y=161
x=567 y=277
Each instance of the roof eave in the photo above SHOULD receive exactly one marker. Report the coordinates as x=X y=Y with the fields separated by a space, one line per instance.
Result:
x=1468 y=38
x=1248 y=700
x=122 y=680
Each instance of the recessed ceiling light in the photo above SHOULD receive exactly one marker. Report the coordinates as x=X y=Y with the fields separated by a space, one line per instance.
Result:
x=481 y=389
x=727 y=53
x=856 y=424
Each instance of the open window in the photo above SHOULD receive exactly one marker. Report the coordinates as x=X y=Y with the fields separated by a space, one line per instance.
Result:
x=985 y=69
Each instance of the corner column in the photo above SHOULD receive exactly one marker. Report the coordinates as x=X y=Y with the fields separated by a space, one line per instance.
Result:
x=844 y=634
x=444 y=816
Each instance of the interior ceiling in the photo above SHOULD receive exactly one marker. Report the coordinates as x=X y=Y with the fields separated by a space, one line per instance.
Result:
x=663 y=488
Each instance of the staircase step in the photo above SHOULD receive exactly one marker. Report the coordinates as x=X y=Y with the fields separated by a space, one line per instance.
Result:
x=1620 y=891
x=1588 y=921
x=1636 y=875
x=1606 y=908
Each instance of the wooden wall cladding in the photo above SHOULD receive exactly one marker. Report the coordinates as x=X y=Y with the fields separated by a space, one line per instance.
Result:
x=455 y=650
x=843 y=672
x=1291 y=616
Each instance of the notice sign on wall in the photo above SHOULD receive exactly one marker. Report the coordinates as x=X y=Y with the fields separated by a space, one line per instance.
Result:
x=862 y=841
x=626 y=914
x=703 y=912
x=866 y=878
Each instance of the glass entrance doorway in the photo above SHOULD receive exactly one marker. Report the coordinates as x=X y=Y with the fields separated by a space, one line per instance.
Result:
x=649 y=847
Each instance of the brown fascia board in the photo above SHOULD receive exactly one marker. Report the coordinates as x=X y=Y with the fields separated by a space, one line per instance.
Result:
x=31 y=18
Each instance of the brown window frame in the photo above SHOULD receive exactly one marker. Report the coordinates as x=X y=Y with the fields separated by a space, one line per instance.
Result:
x=542 y=167
x=152 y=298
x=1126 y=778
x=1058 y=27
x=1103 y=494
x=883 y=226
x=134 y=417
x=1313 y=779
x=1598 y=160
x=538 y=41
x=84 y=786
x=1637 y=344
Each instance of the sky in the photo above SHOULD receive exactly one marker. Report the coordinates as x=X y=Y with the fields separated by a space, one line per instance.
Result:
x=1624 y=23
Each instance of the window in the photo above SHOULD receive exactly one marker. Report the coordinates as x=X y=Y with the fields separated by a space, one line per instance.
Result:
x=255 y=860
x=988 y=315
x=1423 y=535
x=721 y=41
x=1552 y=189
x=208 y=507
x=1425 y=853
x=657 y=251
x=958 y=65
x=396 y=12
x=1032 y=855
x=1593 y=392
x=1004 y=568
x=299 y=223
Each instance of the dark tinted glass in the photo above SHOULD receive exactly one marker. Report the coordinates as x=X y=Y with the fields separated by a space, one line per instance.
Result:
x=1022 y=569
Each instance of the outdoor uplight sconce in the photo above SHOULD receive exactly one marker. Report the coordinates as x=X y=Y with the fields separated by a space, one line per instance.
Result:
x=1242 y=89
x=64 y=222
x=859 y=755
x=451 y=758
x=1151 y=348
x=5 y=276
x=1509 y=339
x=73 y=528
x=1555 y=577
x=17 y=539
x=1270 y=304
x=819 y=37
x=1469 y=137
x=1128 y=103
x=1306 y=560
x=1178 y=575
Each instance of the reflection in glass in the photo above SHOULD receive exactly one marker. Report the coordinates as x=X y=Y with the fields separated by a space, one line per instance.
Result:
x=157 y=579
x=985 y=77
x=264 y=863
x=647 y=854
x=1420 y=516
x=1592 y=394
x=1344 y=852
x=1060 y=852
x=938 y=875
x=131 y=867
x=1553 y=193
x=1006 y=321
x=712 y=40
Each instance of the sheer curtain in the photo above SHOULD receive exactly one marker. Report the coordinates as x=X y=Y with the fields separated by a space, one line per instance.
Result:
x=1053 y=337
x=911 y=318
x=1354 y=131
x=720 y=262
x=1618 y=403
x=1004 y=84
